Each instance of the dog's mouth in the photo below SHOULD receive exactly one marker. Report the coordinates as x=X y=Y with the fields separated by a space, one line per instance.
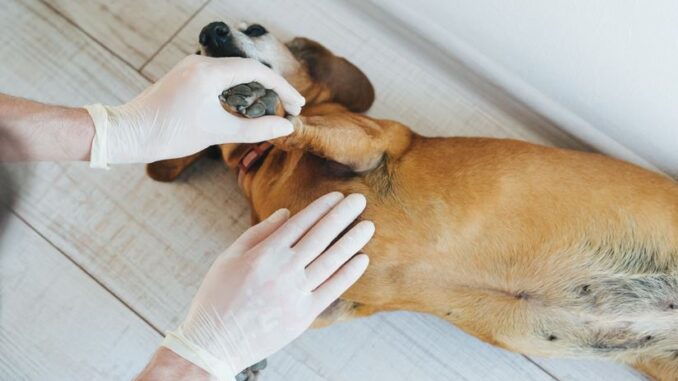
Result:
x=218 y=40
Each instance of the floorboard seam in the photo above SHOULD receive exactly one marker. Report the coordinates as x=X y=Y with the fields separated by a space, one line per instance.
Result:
x=528 y=358
x=86 y=272
x=91 y=37
x=179 y=29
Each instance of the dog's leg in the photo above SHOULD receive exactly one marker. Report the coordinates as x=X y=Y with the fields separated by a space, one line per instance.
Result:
x=342 y=310
x=354 y=140
x=170 y=169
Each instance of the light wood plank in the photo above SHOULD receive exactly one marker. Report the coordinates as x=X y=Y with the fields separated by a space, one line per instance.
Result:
x=401 y=346
x=57 y=323
x=134 y=30
x=47 y=59
x=574 y=370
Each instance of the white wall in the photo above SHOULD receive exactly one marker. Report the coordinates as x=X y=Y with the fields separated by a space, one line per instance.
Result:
x=604 y=70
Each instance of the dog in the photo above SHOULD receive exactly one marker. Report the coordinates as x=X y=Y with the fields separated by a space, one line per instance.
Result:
x=538 y=250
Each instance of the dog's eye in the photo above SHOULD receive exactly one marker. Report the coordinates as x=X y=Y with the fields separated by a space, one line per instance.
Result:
x=255 y=30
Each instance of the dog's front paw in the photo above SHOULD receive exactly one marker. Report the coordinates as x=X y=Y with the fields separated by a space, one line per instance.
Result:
x=252 y=373
x=251 y=100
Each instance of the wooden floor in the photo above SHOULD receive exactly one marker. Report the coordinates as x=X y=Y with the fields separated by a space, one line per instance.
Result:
x=96 y=265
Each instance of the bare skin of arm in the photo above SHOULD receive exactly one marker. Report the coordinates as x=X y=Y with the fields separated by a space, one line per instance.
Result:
x=34 y=131
x=167 y=365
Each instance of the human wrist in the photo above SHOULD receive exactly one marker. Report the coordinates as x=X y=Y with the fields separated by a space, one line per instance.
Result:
x=123 y=135
x=82 y=135
x=167 y=365
x=44 y=132
x=99 y=115
x=195 y=350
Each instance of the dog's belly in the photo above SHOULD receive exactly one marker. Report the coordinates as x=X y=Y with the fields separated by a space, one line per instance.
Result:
x=572 y=256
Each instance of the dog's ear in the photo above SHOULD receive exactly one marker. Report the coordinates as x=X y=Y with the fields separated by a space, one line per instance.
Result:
x=346 y=83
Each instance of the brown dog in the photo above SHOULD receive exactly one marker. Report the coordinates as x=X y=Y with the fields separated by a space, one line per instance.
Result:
x=538 y=250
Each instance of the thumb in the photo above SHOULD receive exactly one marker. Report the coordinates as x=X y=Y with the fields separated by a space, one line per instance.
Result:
x=264 y=128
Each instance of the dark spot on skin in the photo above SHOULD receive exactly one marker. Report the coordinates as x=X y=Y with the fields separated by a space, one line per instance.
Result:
x=448 y=314
x=585 y=290
x=552 y=338
x=522 y=295
x=620 y=340
x=609 y=348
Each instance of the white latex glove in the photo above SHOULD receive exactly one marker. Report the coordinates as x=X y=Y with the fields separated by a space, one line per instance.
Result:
x=270 y=285
x=181 y=113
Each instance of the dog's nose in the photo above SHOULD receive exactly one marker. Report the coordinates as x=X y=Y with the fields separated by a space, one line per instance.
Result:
x=214 y=34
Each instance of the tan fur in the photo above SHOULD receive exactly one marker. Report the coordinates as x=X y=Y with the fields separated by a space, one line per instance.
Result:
x=168 y=170
x=539 y=250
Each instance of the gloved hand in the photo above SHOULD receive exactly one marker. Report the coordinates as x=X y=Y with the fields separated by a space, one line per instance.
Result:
x=181 y=113
x=270 y=285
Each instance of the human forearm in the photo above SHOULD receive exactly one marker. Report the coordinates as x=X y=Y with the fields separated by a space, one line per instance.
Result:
x=168 y=366
x=177 y=116
x=35 y=131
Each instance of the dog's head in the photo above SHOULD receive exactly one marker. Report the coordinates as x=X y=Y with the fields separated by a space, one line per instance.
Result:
x=318 y=74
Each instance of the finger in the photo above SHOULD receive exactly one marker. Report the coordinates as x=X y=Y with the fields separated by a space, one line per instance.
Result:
x=336 y=256
x=332 y=289
x=327 y=229
x=264 y=128
x=254 y=71
x=257 y=233
x=299 y=224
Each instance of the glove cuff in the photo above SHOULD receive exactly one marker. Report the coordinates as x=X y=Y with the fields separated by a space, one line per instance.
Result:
x=98 y=157
x=176 y=342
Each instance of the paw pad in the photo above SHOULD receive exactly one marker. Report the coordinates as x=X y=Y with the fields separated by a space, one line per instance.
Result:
x=252 y=373
x=250 y=100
